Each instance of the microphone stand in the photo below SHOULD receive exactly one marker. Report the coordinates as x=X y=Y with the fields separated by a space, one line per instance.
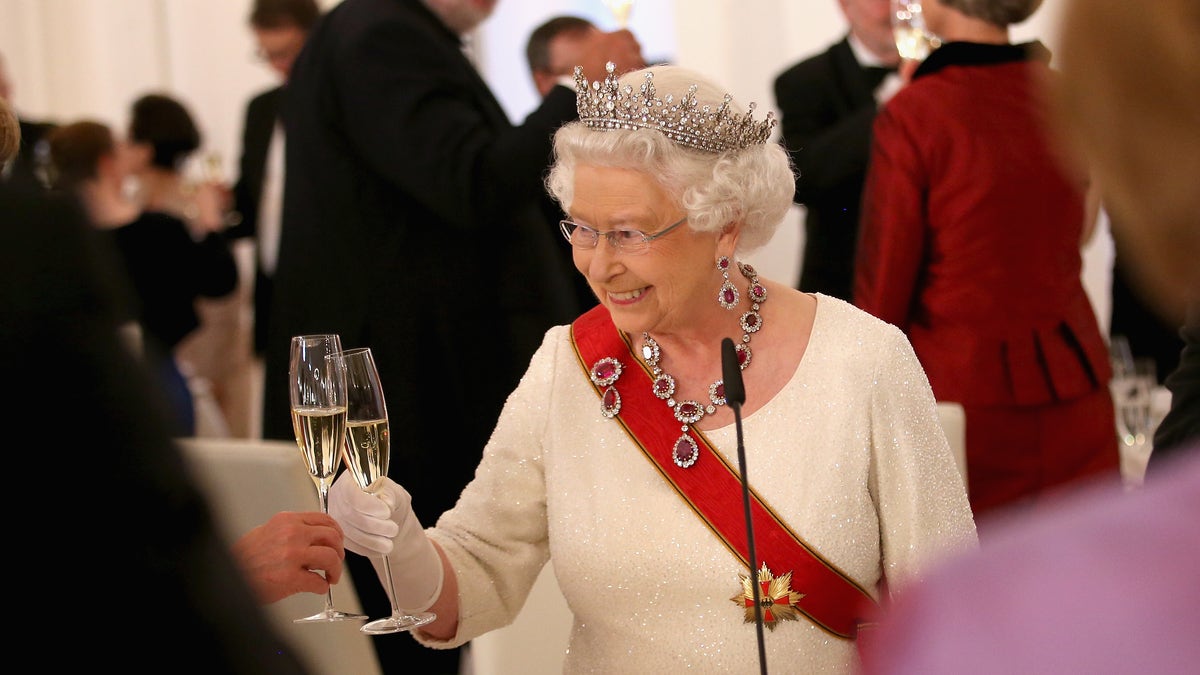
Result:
x=735 y=395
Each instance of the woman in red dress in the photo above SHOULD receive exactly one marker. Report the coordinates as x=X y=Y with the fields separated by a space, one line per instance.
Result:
x=970 y=242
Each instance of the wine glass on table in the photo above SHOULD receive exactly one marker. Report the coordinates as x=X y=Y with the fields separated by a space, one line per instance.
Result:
x=367 y=451
x=318 y=399
x=913 y=41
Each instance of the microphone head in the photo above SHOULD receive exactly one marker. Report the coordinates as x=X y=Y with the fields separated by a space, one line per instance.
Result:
x=731 y=373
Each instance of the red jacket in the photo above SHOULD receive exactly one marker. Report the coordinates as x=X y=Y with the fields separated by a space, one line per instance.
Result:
x=971 y=232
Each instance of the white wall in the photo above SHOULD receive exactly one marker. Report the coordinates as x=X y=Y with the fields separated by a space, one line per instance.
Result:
x=76 y=58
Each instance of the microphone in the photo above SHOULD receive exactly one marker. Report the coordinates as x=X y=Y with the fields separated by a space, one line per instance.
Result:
x=735 y=396
x=731 y=373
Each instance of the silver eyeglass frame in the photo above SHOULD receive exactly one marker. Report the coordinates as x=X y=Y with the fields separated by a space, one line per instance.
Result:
x=567 y=227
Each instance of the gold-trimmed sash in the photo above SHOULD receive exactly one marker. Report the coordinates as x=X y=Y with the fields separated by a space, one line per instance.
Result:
x=712 y=488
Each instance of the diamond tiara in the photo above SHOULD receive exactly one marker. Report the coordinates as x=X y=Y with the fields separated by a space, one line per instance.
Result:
x=607 y=105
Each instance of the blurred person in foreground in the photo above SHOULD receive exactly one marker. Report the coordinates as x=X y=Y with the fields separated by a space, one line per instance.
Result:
x=970 y=242
x=1105 y=582
x=166 y=269
x=411 y=225
x=827 y=103
x=59 y=322
x=616 y=454
x=280 y=28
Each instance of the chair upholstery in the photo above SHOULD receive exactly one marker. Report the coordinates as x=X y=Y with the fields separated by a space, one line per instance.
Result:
x=248 y=481
x=954 y=423
x=535 y=643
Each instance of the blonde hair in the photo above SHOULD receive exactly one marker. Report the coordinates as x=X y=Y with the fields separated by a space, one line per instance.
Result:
x=754 y=185
x=1129 y=103
x=10 y=133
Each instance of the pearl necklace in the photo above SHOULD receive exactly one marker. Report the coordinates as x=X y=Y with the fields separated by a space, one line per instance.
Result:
x=690 y=411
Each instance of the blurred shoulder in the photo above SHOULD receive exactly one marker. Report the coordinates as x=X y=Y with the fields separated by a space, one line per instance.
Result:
x=266 y=99
x=812 y=68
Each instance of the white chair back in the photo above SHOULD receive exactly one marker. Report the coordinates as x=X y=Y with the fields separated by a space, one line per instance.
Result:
x=248 y=481
x=533 y=644
x=954 y=422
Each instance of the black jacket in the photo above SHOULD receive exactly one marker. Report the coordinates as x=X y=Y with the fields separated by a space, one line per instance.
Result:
x=827 y=107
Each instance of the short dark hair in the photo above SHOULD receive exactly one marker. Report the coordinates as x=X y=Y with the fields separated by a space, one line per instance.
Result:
x=537 y=49
x=75 y=152
x=167 y=126
x=284 y=13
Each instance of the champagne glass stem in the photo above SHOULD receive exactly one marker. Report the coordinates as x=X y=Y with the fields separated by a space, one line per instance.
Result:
x=323 y=493
x=387 y=574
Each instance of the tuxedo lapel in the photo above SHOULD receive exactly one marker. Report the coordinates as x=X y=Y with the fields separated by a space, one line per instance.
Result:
x=858 y=82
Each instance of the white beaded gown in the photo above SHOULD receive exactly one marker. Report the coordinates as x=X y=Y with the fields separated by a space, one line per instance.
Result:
x=849 y=453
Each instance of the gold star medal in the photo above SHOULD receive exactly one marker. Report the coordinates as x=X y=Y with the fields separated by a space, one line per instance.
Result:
x=776 y=597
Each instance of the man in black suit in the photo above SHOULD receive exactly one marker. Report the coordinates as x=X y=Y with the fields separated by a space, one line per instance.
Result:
x=411 y=226
x=280 y=28
x=827 y=105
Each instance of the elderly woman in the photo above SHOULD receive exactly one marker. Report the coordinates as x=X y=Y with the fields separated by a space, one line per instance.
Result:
x=970 y=242
x=616 y=456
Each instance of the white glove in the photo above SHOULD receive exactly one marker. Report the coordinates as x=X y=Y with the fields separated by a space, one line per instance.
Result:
x=383 y=524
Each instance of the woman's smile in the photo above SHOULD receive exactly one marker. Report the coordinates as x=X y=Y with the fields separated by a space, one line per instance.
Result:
x=626 y=297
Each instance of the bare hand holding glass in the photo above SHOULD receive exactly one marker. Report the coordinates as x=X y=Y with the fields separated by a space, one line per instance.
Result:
x=367 y=453
x=318 y=400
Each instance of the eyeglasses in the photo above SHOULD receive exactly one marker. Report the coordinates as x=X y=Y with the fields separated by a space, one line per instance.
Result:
x=624 y=241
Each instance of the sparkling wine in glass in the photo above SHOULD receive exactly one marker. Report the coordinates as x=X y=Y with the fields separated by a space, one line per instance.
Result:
x=367 y=451
x=318 y=399
x=913 y=41
x=214 y=167
x=1132 y=386
x=620 y=10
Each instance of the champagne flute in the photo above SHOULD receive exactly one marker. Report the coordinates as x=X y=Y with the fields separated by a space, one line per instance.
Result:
x=1132 y=388
x=367 y=453
x=214 y=167
x=620 y=10
x=913 y=41
x=318 y=399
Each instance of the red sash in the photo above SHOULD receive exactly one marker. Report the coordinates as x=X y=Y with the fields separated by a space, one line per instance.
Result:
x=712 y=487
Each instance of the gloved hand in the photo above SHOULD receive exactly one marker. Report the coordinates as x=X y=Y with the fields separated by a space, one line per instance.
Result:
x=366 y=518
x=383 y=524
